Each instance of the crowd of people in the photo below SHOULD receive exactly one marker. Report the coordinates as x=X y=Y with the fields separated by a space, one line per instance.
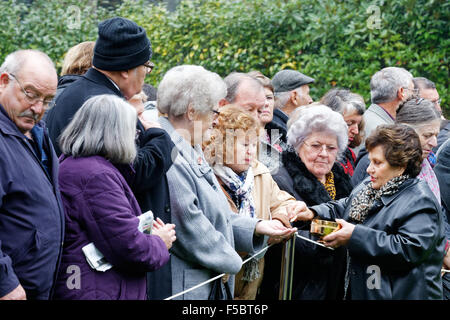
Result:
x=104 y=196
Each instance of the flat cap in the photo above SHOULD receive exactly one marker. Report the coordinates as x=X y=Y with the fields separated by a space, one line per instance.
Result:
x=288 y=80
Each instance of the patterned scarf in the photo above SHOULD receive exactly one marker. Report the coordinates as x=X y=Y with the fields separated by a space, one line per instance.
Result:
x=364 y=201
x=240 y=185
x=329 y=185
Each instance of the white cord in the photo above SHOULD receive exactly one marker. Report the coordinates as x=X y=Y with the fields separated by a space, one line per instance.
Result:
x=216 y=277
x=315 y=242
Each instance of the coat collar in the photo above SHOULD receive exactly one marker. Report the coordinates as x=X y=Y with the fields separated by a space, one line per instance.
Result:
x=98 y=77
x=381 y=113
x=306 y=184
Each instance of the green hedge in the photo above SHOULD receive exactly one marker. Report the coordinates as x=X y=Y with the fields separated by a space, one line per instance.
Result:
x=339 y=43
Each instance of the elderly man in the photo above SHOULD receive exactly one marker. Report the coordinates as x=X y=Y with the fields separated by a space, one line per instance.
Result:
x=120 y=63
x=291 y=90
x=389 y=87
x=31 y=212
x=244 y=91
x=427 y=90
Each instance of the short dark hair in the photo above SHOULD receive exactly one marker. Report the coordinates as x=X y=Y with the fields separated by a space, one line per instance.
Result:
x=423 y=83
x=150 y=91
x=401 y=146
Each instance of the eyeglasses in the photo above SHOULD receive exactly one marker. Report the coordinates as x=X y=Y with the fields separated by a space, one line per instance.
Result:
x=437 y=102
x=32 y=97
x=317 y=148
x=414 y=91
x=149 y=66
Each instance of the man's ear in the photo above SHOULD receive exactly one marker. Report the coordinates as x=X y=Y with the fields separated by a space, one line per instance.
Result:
x=223 y=102
x=293 y=97
x=401 y=93
x=125 y=74
x=4 y=79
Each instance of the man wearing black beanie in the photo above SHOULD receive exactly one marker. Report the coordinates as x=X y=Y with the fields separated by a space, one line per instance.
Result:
x=121 y=61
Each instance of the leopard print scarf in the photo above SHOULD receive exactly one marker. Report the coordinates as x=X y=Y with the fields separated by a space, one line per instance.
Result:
x=365 y=199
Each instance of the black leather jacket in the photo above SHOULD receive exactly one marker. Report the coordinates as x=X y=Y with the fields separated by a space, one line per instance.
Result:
x=397 y=252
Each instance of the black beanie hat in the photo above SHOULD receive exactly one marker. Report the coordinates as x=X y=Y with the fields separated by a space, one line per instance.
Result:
x=121 y=45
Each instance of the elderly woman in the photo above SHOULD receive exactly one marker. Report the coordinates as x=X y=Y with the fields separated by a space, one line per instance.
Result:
x=98 y=149
x=392 y=225
x=423 y=117
x=270 y=145
x=247 y=183
x=352 y=107
x=310 y=172
x=208 y=232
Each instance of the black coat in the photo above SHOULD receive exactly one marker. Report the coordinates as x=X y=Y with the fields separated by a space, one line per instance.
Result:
x=279 y=122
x=154 y=145
x=397 y=252
x=318 y=272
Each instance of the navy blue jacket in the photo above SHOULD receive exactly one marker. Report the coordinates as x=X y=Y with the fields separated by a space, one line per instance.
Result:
x=154 y=146
x=31 y=213
x=279 y=122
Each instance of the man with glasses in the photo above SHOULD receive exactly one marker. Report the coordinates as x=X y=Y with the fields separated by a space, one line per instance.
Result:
x=31 y=212
x=427 y=90
x=389 y=87
x=121 y=62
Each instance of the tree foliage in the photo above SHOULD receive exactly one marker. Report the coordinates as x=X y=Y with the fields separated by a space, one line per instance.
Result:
x=339 y=43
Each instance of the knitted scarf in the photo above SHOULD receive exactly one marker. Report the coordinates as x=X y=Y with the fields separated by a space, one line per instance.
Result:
x=366 y=198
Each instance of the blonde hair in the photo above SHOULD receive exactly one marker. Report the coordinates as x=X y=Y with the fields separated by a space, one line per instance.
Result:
x=78 y=59
x=231 y=123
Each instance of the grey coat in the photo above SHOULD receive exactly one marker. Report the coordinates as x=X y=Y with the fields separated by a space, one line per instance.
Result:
x=208 y=232
x=373 y=117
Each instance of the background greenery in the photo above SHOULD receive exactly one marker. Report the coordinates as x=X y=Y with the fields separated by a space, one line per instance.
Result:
x=339 y=43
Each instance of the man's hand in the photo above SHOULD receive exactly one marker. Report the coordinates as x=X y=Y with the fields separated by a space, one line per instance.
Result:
x=17 y=294
x=149 y=124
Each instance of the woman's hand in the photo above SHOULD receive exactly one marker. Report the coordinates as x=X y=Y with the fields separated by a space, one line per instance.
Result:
x=274 y=229
x=340 y=237
x=298 y=211
x=165 y=231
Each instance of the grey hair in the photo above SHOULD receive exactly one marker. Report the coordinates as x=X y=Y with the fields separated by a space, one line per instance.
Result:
x=344 y=101
x=189 y=85
x=423 y=83
x=385 y=83
x=417 y=112
x=281 y=98
x=234 y=80
x=105 y=125
x=317 y=118
x=14 y=61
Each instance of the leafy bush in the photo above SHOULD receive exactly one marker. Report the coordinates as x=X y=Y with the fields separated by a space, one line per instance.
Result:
x=339 y=43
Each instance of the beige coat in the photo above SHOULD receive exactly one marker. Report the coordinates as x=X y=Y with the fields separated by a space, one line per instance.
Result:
x=270 y=203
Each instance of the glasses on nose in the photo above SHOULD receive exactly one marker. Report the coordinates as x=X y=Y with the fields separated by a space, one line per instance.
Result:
x=32 y=97
x=149 y=66
x=414 y=91
x=215 y=113
x=317 y=148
